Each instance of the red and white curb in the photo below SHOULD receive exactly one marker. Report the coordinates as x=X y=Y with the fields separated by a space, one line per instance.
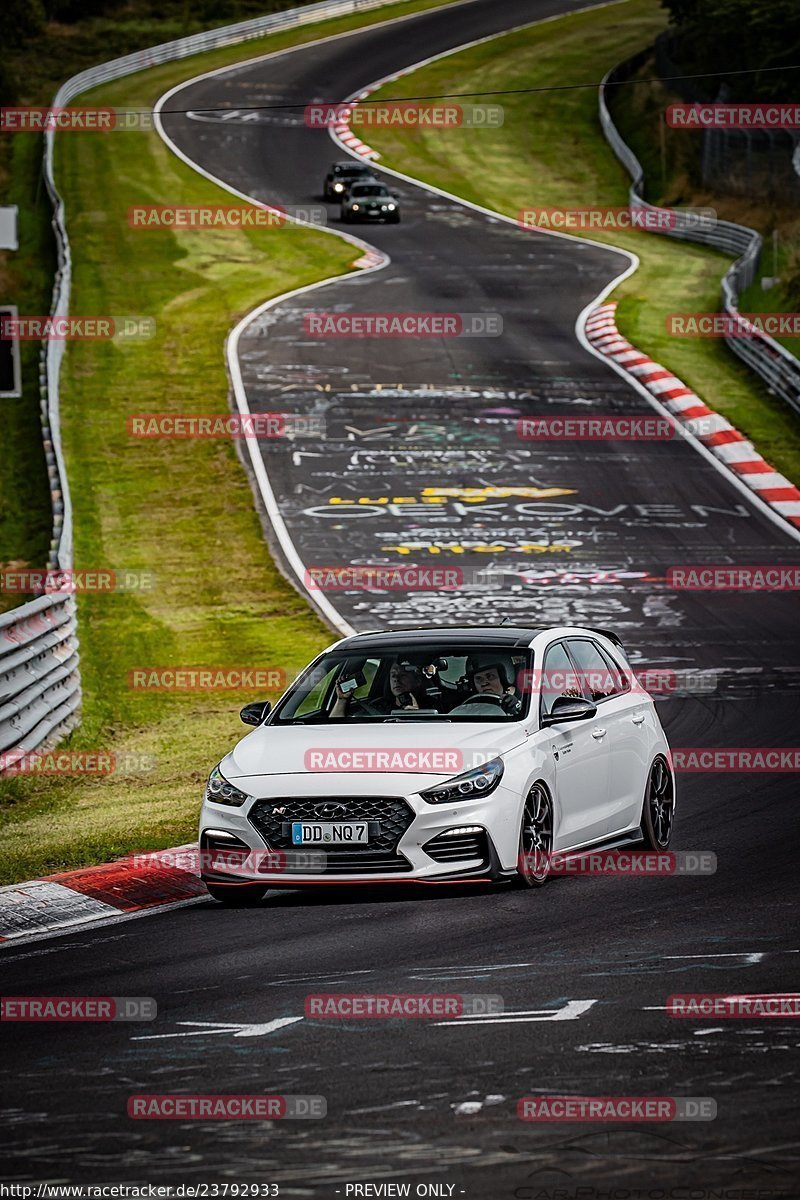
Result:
x=372 y=258
x=345 y=134
x=724 y=441
x=93 y=893
x=341 y=128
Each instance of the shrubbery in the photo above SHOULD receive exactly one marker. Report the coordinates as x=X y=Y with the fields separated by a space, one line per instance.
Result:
x=719 y=37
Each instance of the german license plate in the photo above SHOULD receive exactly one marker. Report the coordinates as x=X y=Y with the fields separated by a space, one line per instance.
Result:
x=330 y=833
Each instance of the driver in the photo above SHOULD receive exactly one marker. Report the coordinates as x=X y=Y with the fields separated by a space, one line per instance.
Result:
x=488 y=681
x=495 y=678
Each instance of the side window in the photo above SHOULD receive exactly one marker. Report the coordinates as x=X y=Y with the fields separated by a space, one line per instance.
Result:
x=598 y=678
x=558 y=678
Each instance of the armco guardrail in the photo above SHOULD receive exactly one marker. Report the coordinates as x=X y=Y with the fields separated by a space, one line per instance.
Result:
x=39 y=676
x=39 y=681
x=779 y=369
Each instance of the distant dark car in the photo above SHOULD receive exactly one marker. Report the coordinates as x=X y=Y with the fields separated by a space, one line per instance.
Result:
x=342 y=175
x=370 y=202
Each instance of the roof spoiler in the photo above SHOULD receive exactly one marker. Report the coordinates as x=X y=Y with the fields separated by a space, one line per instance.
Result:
x=613 y=638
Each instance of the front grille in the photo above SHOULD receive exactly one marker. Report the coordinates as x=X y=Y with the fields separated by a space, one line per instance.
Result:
x=451 y=847
x=363 y=862
x=388 y=816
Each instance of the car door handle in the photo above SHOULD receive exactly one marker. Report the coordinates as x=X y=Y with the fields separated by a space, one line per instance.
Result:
x=638 y=720
x=597 y=734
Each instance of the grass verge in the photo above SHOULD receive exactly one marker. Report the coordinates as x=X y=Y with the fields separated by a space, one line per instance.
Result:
x=181 y=510
x=550 y=152
x=30 y=73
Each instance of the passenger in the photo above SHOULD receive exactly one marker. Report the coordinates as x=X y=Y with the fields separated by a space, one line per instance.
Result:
x=407 y=685
x=407 y=690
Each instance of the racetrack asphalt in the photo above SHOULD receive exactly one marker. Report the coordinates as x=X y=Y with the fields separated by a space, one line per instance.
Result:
x=421 y=1101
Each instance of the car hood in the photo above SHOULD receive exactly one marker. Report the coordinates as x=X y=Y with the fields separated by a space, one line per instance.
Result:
x=415 y=748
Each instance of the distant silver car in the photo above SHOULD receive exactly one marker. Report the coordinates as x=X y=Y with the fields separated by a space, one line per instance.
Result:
x=370 y=201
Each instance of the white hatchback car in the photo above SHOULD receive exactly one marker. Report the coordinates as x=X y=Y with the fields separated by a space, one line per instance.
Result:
x=439 y=756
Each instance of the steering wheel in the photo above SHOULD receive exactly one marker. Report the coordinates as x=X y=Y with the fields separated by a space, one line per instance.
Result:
x=482 y=698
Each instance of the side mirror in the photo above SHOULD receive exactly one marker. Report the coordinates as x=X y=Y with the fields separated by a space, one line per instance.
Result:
x=253 y=714
x=569 y=708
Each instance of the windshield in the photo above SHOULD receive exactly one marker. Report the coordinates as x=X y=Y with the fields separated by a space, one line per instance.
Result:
x=351 y=171
x=402 y=682
x=370 y=189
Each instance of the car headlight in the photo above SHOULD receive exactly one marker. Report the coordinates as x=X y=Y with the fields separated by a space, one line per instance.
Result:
x=354 y=207
x=391 y=207
x=480 y=781
x=338 y=187
x=221 y=792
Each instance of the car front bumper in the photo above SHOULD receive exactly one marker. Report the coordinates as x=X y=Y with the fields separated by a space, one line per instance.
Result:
x=364 y=215
x=469 y=840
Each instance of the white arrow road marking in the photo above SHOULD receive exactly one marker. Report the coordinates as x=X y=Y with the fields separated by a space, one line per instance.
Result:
x=570 y=1012
x=237 y=1029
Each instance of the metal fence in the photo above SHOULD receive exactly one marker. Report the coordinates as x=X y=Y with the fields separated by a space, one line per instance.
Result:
x=743 y=162
x=39 y=672
x=779 y=369
x=40 y=689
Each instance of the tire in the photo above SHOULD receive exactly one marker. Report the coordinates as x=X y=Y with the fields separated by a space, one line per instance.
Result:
x=658 y=809
x=237 y=895
x=535 y=838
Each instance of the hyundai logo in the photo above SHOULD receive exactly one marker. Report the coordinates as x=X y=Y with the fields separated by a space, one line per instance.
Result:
x=330 y=812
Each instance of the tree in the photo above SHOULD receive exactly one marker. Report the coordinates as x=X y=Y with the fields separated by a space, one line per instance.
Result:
x=720 y=37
